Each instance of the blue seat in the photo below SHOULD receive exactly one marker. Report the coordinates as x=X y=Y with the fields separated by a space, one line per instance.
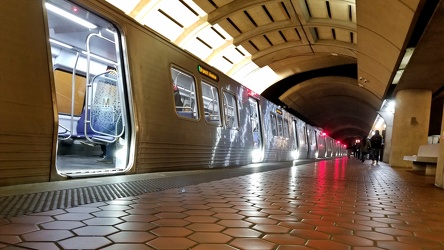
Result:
x=81 y=126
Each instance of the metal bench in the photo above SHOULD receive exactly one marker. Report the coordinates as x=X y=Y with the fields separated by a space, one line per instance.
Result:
x=426 y=159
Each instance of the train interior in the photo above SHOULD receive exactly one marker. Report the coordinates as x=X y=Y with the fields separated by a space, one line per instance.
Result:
x=86 y=58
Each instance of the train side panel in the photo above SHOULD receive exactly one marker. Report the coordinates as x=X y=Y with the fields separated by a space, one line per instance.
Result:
x=278 y=145
x=26 y=101
x=321 y=139
x=312 y=142
x=165 y=140
x=301 y=134
x=329 y=145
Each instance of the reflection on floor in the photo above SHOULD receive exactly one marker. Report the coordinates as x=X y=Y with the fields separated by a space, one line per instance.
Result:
x=331 y=204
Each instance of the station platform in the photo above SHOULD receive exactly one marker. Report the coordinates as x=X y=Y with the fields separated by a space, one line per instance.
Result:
x=336 y=204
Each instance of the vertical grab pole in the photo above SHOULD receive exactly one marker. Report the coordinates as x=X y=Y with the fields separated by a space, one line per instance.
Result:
x=73 y=89
x=88 y=85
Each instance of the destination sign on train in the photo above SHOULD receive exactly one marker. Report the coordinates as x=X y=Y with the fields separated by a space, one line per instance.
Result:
x=208 y=73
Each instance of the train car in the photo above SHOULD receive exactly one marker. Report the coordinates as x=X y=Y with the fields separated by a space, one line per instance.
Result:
x=278 y=146
x=329 y=142
x=300 y=131
x=322 y=147
x=311 y=142
x=88 y=91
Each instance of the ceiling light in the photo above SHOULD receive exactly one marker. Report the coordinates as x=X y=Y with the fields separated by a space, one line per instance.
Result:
x=407 y=55
x=69 y=16
x=397 y=76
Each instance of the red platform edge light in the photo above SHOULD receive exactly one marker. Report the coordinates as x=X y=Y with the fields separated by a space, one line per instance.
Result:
x=75 y=9
x=324 y=134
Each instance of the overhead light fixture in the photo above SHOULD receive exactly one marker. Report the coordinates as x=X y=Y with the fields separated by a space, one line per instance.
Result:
x=391 y=106
x=69 y=16
x=397 y=76
x=388 y=106
x=405 y=60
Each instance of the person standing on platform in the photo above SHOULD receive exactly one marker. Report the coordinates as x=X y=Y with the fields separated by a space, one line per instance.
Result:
x=349 y=149
x=376 y=142
x=358 y=149
x=364 y=147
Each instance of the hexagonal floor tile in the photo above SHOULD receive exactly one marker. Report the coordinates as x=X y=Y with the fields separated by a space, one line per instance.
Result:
x=95 y=230
x=84 y=243
x=171 y=243
x=205 y=237
x=47 y=235
x=129 y=237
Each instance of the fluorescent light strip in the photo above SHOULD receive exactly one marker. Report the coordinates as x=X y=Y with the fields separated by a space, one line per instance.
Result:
x=98 y=57
x=60 y=43
x=69 y=16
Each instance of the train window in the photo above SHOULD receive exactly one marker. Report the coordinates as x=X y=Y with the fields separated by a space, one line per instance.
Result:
x=184 y=92
x=279 y=122
x=255 y=123
x=273 y=124
x=301 y=136
x=230 y=110
x=210 y=96
x=286 y=132
x=294 y=126
x=313 y=138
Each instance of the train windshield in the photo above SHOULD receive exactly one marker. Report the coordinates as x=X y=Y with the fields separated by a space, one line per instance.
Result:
x=89 y=81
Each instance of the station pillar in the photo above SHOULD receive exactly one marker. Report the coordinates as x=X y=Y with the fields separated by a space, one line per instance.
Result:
x=410 y=124
x=439 y=177
x=388 y=119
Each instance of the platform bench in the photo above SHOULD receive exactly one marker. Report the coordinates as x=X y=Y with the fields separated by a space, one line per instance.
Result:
x=426 y=159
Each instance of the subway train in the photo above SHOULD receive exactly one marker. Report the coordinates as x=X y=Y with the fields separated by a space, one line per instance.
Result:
x=88 y=91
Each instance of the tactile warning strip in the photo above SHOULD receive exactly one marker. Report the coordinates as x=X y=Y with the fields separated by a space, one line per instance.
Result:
x=16 y=205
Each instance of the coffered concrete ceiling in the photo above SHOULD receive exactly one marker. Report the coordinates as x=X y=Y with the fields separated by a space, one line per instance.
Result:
x=331 y=62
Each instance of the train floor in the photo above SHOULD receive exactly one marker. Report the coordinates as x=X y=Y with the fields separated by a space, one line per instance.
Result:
x=336 y=204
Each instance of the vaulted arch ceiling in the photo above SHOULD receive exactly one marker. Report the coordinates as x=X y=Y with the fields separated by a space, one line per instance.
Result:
x=331 y=62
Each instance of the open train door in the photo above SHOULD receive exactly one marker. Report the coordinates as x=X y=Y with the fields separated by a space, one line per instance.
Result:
x=92 y=91
x=256 y=127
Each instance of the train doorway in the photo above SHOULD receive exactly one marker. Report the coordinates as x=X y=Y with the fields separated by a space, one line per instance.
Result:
x=90 y=89
x=257 y=154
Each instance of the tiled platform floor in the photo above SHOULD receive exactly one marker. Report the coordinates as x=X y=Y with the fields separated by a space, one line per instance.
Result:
x=332 y=204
